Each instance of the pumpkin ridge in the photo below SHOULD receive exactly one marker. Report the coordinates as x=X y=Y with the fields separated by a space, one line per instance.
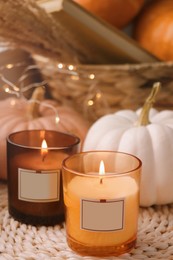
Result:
x=109 y=136
x=161 y=155
x=47 y=124
x=9 y=123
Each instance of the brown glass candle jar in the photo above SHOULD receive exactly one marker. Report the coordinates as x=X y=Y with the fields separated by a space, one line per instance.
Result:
x=34 y=159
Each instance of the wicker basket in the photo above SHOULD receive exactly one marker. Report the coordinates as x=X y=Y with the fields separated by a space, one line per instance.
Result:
x=95 y=90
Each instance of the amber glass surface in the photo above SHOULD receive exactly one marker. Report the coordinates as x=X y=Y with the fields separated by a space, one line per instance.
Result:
x=101 y=206
x=24 y=152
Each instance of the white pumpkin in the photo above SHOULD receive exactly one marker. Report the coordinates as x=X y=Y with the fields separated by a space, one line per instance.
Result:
x=129 y=131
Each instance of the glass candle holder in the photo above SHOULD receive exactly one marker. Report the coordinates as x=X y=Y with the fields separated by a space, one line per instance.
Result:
x=101 y=195
x=34 y=161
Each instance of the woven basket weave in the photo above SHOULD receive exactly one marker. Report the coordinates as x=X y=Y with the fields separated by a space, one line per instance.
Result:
x=109 y=87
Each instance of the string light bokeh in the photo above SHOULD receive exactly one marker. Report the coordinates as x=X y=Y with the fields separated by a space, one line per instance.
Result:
x=18 y=90
x=90 y=102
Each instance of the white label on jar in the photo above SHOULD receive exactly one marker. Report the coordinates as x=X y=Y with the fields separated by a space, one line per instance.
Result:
x=102 y=215
x=43 y=186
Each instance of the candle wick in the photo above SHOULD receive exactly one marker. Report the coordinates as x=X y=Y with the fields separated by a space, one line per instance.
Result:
x=43 y=157
x=101 y=180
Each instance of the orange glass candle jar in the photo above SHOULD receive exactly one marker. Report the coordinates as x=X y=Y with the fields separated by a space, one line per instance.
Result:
x=101 y=195
x=34 y=161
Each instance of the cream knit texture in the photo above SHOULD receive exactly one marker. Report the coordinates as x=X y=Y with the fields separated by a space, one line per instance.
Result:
x=25 y=242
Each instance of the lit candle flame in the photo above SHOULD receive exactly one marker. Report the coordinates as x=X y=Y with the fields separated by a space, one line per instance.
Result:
x=44 y=149
x=101 y=171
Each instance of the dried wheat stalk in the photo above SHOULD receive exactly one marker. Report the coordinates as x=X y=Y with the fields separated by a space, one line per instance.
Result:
x=25 y=24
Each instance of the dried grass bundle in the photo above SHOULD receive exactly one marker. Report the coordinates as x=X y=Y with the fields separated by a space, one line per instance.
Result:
x=25 y=24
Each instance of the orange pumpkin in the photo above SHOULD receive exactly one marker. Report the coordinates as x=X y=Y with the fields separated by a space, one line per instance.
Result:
x=154 y=29
x=116 y=12
x=17 y=115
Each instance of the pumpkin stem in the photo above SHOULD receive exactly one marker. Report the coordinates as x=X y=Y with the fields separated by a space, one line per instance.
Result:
x=144 y=115
x=34 y=102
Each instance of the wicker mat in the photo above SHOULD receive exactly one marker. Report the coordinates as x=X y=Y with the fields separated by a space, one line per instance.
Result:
x=20 y=241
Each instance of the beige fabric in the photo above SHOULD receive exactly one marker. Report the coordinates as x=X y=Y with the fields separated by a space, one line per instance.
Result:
x=24 y=242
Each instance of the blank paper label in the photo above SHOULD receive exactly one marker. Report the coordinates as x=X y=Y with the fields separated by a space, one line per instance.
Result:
x=38 y=187
x=102 y=215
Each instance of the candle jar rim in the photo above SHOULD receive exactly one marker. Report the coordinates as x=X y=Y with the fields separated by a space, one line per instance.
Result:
x=67 y=146
x=107 y=175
